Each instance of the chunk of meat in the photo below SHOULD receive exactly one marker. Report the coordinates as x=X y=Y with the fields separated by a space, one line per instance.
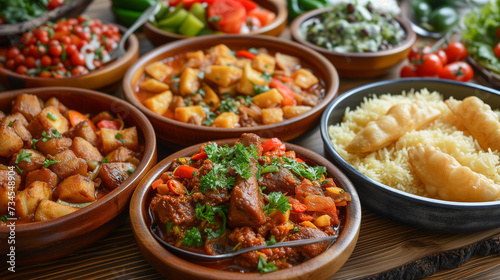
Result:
x=54 y=145
x=177 y=209
x=68 y=165
x=312 y=250
x=114 y=173
x=282 y=181
x=44 y=175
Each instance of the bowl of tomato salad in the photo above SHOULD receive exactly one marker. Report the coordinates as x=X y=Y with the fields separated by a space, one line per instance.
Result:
x=231 y=194
x=179 y=19
x=70 y=52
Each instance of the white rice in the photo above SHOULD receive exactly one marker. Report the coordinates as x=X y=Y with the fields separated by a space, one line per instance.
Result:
x=390 y=165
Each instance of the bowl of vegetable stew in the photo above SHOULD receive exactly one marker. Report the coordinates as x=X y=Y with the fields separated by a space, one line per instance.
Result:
x=268 y=18
x=68 y=53
x=57 y=152
x=228 y=90
x=254 y=215
x=355 y=50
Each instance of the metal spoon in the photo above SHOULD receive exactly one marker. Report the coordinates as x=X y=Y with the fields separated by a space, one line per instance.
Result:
x=202 y=257
x=120 y=50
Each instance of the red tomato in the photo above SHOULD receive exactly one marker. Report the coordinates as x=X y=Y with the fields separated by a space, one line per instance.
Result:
x=496 y=50
x=456 y=51
x=71 y=49
x=28 y=39
x=19 y=59
x=442 y=55
x=45 y=74
x=458 y=70
x=46 y=61
x=429 y=66
x=409 y=71
x=30 y=62
x=272 y=144
x=54 y=4
x=227 y=16
x=265 y=17
x=13 y=52
x=10 y=64
x=21 y=69
x=55 y=50
x=415 y=53
x=78 y=59
x=81 y=18
x=249 y=5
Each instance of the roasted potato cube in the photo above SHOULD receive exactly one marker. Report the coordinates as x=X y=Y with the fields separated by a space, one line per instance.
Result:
x=249 y=79
x=304 y=78
x=10 y=142
x=27 y=160
x=13 y=117
x=184 y=114
x=293 y=111
x=227 y=120
x=241 y=62
x=49 y=118
x=264 y=63
x=196 y=55
x=43 y=175
x=56 y=103
x=287 y=63
x=211 y=98
x=84 y=130
x=76 y=189
x=28 y=105
x=189 y=82
x=48 y=210
x=272 y=115
x=159 y=70
x=68 y=165
x=222 y=55
x=83 y=149
x=114 y=173
x=231 y=90
x=159 y=103
x=223 y=75
x=27 y=200
x=268 y=99
x=54 y=145
x=21 y=131
x=120 y=154
x=112 y=139
x=5 y=184
x=153 y=86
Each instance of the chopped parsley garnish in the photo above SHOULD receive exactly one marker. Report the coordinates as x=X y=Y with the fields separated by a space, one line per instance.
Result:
x=260 y=89
x=119 y=136
x=54 y=134
x=201 y=75
x=130 y=171
x=246 y=99
x=210 y=116
x=169 y=225
x=215 y=20
x=265 y=267
x=302 y=169
x=267 y=76
x=51 y=116
x=48 y=162
x=206 y=212
x=201 y=92
x=229 y=105
x=105 y=160
x=271 y=241
x=216 y=178
x=277 y=201
x=253 y=50
x=20 y=170
x=295 y=229
x=4 y=218
x=176 y=76
x=193 y=237
x=10 y=123
x=23 y=156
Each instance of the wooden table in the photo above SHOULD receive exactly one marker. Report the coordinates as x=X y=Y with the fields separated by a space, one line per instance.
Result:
x=385 y=249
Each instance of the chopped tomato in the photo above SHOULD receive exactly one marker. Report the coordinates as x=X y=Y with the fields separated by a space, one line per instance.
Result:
x=284 y=90
x=321 y=204
x=200 y=156
x=249 y=5
x=108 y=124
x=156 y=183
x=176 y=187
x=227 y=16
x=299 y=160
x=299 y=207
x=265 y=16
x=245 y=53
x=185 y=171
x=272 y=144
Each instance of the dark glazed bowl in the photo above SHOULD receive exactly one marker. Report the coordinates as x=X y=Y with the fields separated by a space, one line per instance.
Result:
x=159 y=37
x=358 y=65
x=174 y=267
x=38 y=242
x=188 y=134
x=409 y=209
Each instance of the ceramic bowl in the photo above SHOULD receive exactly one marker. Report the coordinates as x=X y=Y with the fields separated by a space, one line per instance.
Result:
x=159 y=37
x=10 y=33
x=358 y=65
x=409 y=209
x=37 y=242
x=187 y=134
x=172 y=266
x=105 y=79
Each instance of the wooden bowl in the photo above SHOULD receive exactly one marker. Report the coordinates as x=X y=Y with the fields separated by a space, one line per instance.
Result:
x=188 y=134
x=43 y=241
x=321 y=267
x=403 y=207
x=105 y=79
x=159 y=37
x=358 y=65
x=10 y=33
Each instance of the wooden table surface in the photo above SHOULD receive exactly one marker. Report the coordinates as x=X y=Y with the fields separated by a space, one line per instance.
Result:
x=385 y=249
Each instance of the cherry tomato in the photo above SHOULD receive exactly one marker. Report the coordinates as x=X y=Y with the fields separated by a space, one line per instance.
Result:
x=28 y=39
x=71 y=49
x=496 y=50
x=55 y=50
x=10 y=64
x=66 y=40
x=265 y=16
x=442 y=55
x=458 y=70
x=429 y=66
x=19 y=59
x=40 y=33
x=227 y=16
x=21 y=69
x=81 y=18
x=415 y=53
x=409 y=71
x=13 y=52
x=30 y=62
x=78 y=59
x=60 y=27
x=54 y=4
x=45 y=74
x=46 y=61
x=84 y=36
x=456 y=51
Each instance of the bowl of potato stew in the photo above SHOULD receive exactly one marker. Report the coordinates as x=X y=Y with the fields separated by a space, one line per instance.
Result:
x=69 y=162
x=221 y=86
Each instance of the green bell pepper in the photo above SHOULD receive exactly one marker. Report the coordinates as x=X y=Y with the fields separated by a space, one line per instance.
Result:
x=298 y=7
x=128 y=11
x=443 y=18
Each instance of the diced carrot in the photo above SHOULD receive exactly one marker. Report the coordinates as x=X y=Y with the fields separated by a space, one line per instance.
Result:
x=76 y=117
x=200 y=156
x=176 y=187
x=185 y=171
x=284 y=90
x=272 y=144
x=299 y=160
x=304 y=217
x=299 y=207
x=156 y=183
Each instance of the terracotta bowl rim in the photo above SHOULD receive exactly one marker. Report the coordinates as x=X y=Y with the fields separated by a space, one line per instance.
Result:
x=330 y=93
x=149 y=153
x=131 y=50
x=348 y=234
x=367 y=180
x=410 y=39
x=281 y=17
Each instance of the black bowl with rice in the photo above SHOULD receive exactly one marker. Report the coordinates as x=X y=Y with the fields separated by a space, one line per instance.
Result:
x=385 y=180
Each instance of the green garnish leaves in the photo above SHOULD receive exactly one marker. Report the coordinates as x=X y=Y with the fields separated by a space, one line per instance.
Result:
x=193 y=237
x=216 y=178
x=277 y=201
x=265 y=267
x=295 y=229
x=302 y=169
x=119 y=136
x=20 y=170
x=51 y=116
x=48 y=162
x=10 y=123
x=260 y=89
x=4 y=218
x=205 y=212
x=271 y=241
x=105 y=160
x=215 y=20
x=169 y=225
x=266 y=76
x=23 y=156
x=229 y=105
x=253 y=50
x=130 y=171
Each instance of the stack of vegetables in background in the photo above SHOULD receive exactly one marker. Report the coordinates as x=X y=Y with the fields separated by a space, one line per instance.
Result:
x=201 y=17
x=128 y=11
x=435 y=15
x=298 y=7
x=15 y=11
